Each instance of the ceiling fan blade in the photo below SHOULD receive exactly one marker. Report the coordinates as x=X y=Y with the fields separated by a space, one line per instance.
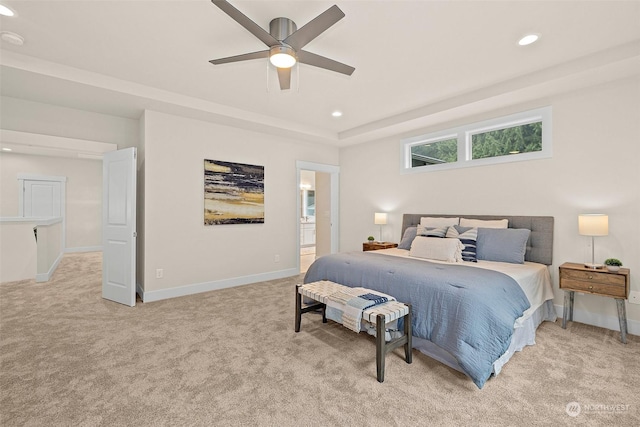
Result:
x=314 y=28
x=284 y=76
x=243 y=57
x=322 y=62
x=247 y=23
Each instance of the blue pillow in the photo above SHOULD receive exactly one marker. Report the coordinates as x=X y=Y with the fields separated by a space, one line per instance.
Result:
x=468 y=236
x=407 y=238
x=503 y=244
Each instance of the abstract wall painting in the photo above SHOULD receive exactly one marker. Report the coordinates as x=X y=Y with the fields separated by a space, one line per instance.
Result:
x=233 y=193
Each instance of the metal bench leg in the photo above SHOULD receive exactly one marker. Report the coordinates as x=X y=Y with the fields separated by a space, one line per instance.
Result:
x=298 y=308
x=408 y=331
x=380 y=347
x=301 y=310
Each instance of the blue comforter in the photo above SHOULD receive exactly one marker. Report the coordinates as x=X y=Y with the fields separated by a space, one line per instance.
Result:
x=470 y=312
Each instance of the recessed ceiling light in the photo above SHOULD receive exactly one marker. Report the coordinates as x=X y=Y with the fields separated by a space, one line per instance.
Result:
x=6 y=149
x=12 y=38
x=528 y=39
x=4 y=10
x=337 y=114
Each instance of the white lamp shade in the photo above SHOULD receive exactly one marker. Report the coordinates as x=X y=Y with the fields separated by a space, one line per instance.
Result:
x=593 y=224
x=380 y=218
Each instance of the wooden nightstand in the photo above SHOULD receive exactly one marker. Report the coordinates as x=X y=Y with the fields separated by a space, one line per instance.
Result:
x=602 y=282
x=378 y=245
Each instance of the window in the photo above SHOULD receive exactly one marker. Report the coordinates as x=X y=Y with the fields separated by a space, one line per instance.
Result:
x=522 y=136
x=434 y=152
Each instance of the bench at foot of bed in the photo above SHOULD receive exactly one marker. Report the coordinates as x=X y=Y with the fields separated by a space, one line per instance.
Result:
x=380 y=315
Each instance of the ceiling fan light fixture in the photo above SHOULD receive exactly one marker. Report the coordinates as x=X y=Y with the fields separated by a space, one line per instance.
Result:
x=282 y=56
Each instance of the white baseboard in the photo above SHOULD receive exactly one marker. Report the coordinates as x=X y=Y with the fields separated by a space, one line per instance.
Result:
x=83 y=249
x=44 y=277
x=197 y=288
x=601 y=320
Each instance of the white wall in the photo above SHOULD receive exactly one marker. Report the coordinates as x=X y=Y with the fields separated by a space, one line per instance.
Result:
x=195 y=257
x=140 y=205
x=46 y=119
x=84 y=193
x=18 y=251
x=595 y=168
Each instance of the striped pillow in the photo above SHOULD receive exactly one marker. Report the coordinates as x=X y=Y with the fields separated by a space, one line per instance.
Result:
x=468 y=237
x=431 y=231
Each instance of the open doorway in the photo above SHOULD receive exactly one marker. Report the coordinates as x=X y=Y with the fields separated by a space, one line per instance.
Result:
x=317 y=212
x=307 y=219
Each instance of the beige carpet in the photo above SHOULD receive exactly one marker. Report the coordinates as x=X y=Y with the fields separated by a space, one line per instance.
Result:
x=231 y=357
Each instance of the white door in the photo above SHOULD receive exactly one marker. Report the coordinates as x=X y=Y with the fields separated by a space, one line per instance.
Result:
x=41 y=198
x=119 y=226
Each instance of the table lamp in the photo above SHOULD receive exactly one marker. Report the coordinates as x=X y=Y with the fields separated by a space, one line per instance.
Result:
x=593 y=225
x=380 y=218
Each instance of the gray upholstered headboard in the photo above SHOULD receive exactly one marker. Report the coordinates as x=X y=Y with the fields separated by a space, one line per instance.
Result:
x=539 y=246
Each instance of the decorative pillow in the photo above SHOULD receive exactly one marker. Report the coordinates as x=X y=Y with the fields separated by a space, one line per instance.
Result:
x=503 y=245
x=494 y=223
x=438 y=221
x=407 y=238
x=431 y=231
x=468 y=236
x=449 y=250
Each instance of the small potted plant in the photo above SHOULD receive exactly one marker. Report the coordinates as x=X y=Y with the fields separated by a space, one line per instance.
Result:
x=371 y=239
x=613 y=264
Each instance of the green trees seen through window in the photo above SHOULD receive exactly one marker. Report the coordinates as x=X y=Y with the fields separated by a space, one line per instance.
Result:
x=434 y=153
x=502 y=142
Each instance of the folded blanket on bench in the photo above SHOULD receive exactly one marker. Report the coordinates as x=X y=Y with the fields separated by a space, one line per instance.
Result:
x=346 y=306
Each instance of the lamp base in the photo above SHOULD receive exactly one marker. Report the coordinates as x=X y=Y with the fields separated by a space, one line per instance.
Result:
x=593 y=266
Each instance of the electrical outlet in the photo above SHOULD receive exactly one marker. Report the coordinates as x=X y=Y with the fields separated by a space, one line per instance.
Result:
x=276 y=258
x=159 y=273
x=634 y=297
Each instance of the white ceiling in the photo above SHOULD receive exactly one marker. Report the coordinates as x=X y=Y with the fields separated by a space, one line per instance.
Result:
x=418 y=63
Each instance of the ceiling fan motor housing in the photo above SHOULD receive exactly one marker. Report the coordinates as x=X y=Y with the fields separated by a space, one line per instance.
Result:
x=281 y=28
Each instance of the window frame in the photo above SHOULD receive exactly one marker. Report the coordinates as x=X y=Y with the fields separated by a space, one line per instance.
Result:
x=464 y=134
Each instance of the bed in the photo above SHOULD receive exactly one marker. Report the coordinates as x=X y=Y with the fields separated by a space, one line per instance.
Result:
x=471 y=316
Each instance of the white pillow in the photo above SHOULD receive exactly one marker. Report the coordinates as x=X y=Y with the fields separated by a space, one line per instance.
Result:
x=438 y=221
x=481 y=223
x=449 y=250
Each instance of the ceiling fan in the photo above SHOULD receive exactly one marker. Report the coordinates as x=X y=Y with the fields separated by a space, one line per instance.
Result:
x=285 y=42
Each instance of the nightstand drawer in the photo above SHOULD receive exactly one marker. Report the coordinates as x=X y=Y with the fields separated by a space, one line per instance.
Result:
x=593 y=276
x=600 y=288
x=378 y=245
